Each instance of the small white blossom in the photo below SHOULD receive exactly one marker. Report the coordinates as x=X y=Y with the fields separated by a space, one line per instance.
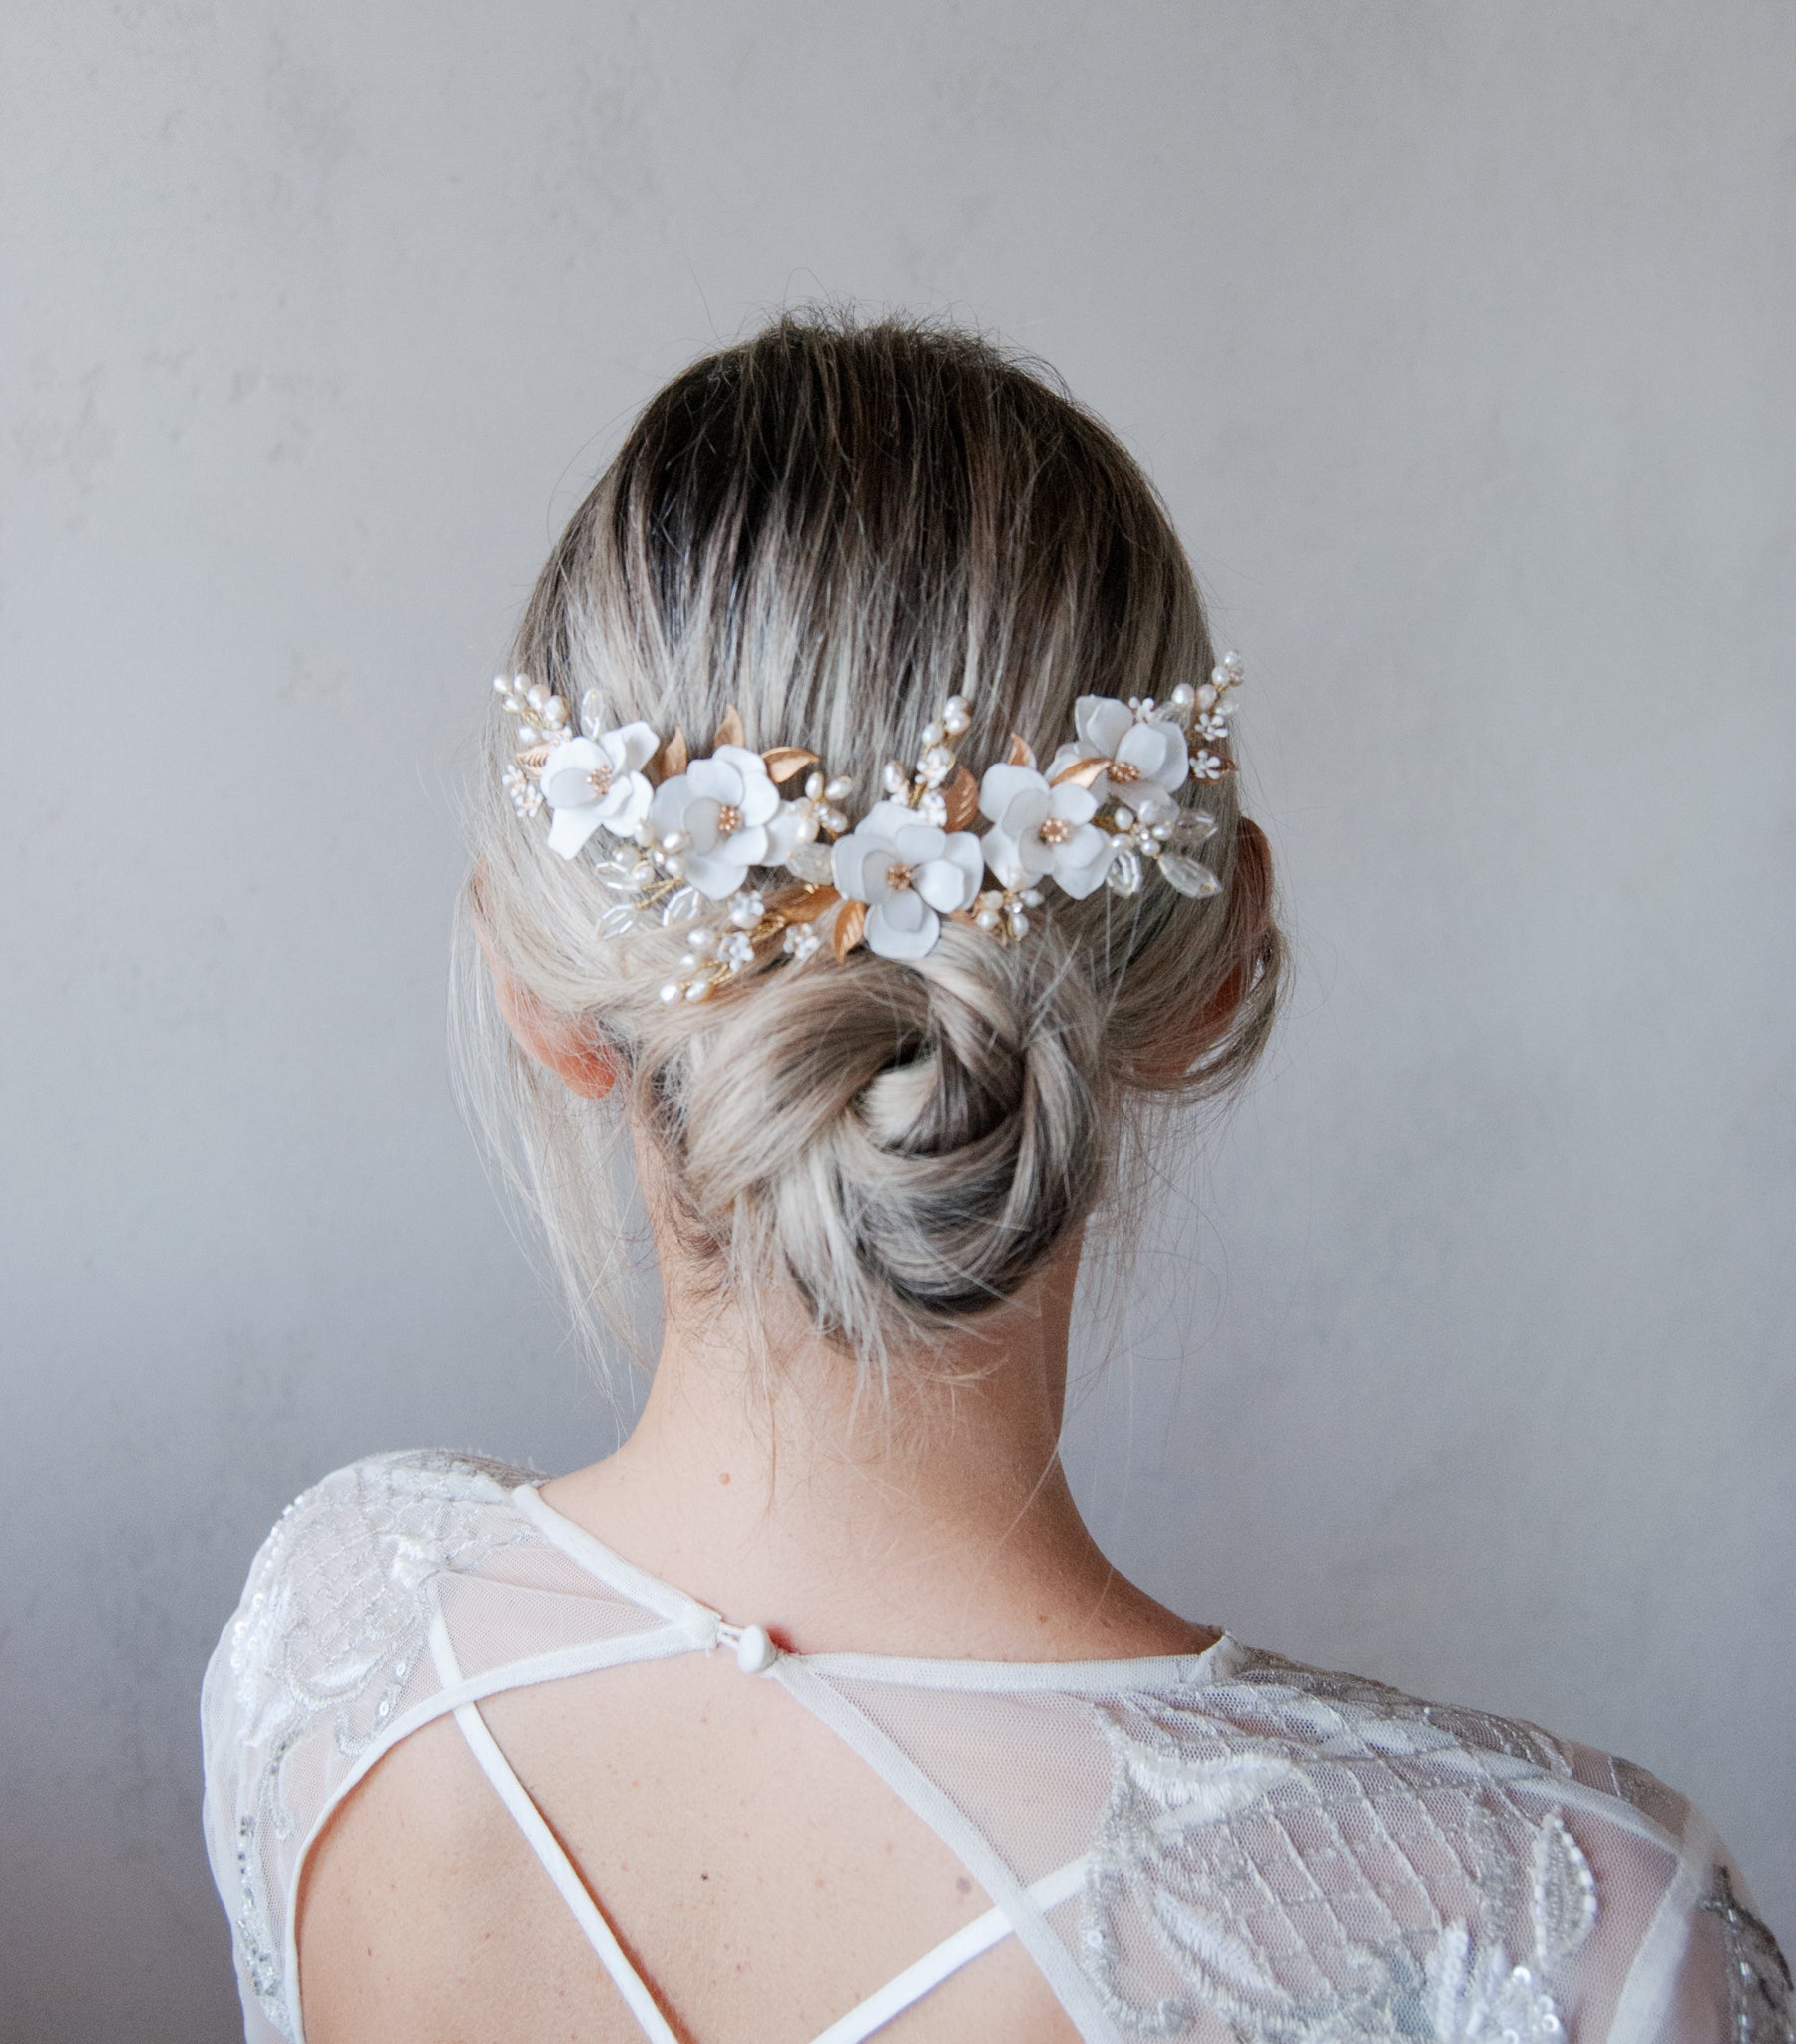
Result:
x=910 y=874
x=730 y=811
x=802 y=943
x=597 y=783
x=1041 y=831
x=526 y=796
x=1144 y=755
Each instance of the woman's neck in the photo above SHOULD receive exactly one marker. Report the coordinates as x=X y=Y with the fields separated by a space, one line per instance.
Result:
x=943 y=1525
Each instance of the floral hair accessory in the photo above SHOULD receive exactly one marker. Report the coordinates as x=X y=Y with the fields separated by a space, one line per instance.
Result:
x=680 y=839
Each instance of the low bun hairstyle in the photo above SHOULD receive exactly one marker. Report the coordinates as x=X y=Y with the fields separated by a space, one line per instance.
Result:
x=834 y=526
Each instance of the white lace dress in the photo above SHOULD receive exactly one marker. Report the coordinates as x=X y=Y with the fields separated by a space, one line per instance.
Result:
x=1232 y=1846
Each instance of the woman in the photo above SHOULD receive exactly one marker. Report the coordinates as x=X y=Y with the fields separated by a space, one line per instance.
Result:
x=861 y=840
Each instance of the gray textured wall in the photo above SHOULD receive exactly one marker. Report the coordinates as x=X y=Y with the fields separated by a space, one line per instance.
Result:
x=1458 y=336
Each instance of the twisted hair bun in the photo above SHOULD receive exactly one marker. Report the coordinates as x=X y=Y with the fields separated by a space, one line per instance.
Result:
x=833 y=527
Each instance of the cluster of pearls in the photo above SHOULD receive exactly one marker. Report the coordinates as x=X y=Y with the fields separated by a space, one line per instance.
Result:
x=922 y=787
x=1165 y=843
x=1003 y=912
x=716 y=952
x=543 y=718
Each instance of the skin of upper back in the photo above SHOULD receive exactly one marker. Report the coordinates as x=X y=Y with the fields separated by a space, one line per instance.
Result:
x=755 y=1871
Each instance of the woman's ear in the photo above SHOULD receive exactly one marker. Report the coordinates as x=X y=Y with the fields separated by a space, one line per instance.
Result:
x=556 y=1044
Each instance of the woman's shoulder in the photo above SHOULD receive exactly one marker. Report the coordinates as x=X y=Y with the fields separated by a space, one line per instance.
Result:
x=321 y=1665
x=1463 y=1871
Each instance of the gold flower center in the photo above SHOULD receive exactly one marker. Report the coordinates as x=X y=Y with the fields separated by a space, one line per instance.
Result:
x=729 y=821
x=1123 y=773
x=1054 y=831
x=899 y=876
x=600 y=780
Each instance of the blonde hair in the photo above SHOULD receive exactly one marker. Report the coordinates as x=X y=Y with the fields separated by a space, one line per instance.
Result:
x=833 y=526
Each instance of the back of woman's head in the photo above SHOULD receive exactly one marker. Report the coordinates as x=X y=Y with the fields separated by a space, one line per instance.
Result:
x=833 y=529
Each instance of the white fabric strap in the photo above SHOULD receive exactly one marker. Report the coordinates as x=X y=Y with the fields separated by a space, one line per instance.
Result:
x=948 y=1957
x=547 y=1848
x=560 y=1870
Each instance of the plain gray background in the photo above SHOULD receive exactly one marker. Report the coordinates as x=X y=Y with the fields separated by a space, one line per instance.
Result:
x=1458 y=336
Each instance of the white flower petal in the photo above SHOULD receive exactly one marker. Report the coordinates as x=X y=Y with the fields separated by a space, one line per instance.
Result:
x=942 y=884
x=626 y=804
x=1158 y=751
x=1003 y=785
x=1072 y=804
x=667 y=810
x=570 y=828
x=716 y=778
x=963 y=852
x=1027 y=812
x=637 y=744
x=750 y=846
x=918 y=843
x=884 y=820
x=716 y=878
x=902 y=908
x=1002 y=855
x=1082 y=863
x=848 y=853
x=1101 y=722
x=892 y=938
x=566 y=772
x=699 y=820
x=783 y=832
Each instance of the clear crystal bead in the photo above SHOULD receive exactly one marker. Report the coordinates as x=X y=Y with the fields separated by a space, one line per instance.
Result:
x=1189 y=875
x=1125 y=875
x=813 y=863
x=1191 y=828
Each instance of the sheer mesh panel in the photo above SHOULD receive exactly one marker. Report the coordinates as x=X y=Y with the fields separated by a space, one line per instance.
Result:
x=1244 y=1847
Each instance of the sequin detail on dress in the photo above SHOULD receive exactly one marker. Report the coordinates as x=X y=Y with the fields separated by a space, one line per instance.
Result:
x=331 y=1630
x=1763 y=2006
x=1314 y=1857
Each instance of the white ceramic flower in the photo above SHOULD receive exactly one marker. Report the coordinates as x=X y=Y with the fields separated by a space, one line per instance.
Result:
x=910 y=874
x=597 y=783
x=1042 y=832
x=1144 y=757
x=731 y=813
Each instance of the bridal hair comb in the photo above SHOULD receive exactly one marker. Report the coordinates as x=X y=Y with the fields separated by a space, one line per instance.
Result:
x=679 y=838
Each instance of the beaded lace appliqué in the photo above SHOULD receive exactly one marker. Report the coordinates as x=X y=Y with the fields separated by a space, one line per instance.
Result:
x=333 y=1628
x=1318 y=1859
x=1761 y=2001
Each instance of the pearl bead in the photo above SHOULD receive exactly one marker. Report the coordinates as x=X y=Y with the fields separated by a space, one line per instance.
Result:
x=987 y=918
x=677 y=841
x=670 y=992
x=954 y=721
x=813 y=787
x=700 y=990
x=704 y=942
x=839 y=790
x=897 y=781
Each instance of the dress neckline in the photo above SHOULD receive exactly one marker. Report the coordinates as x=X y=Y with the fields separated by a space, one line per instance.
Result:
x=1220 y=1659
